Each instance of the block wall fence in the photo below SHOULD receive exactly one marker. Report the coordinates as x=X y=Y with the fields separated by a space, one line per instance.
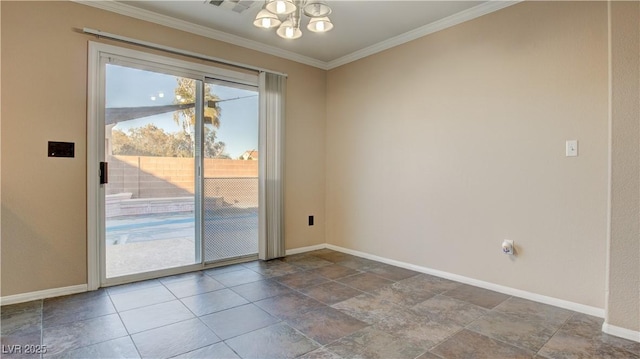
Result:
x=154 y=177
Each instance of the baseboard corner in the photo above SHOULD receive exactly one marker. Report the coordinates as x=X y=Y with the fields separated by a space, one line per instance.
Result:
x=299 y=250
x=620 y=332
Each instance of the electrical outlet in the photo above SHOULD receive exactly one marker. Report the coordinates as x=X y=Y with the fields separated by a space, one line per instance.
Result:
x=311 y=220
x=507 y=247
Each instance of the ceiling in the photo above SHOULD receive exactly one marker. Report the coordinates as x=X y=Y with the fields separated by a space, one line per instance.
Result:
x=361 y=27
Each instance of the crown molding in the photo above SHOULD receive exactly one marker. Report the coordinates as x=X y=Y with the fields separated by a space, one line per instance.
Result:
x=449 y=21
x=141 y=14
x=150 y=16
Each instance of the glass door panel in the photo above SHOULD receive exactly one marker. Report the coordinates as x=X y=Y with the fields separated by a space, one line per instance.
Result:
x=230 y=183
x=150 y=147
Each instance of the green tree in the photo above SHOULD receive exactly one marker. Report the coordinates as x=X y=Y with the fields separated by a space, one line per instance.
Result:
x=213 y=148
x=185 y=93
x=151 y=140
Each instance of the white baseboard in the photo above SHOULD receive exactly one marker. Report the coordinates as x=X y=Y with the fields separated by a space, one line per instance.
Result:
x=576 y=307
x=42 y=294
x=581 y=308
x=293 y=251
x=621 y=332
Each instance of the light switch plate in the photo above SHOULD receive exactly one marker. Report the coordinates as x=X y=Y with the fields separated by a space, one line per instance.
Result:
x=572 y=148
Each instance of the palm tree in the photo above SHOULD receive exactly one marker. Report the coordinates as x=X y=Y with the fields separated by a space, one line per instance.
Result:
x=185 y=93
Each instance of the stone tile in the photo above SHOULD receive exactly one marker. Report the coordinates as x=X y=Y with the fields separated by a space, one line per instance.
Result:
x=443 y=309
x=234 y=278
x=333 y=271
x=276 y=341
x=429 y=355
x=214 y=351
x=392 y=272
x=56 y=312
x=324 y=325
x=21 y=318
x=366 y=308
x=420 y=332
x=403 y=295
x=154 y=316
x=565 y=345
x=78 y=334
x=590 y=327
x=13 y=344
x=467 y=344
x=479 y=296
x=123 y=288
x=300 y=280
x=359 y=264
x=365 y=282
x=331 y=292
x=307 y=262
x=583 y=325
x=274 y=268
x=333 y=256
x=321 y=353
x=526 y=309
x=180 y=277
x=429 y=283
x=531 y=334
x=288 y=306
x=141 y=297
x=261 y=289
x=239 y=320
x=211 y=302
x=226 y=269
x=113 y=349
x=94 y=294
x=373 y=343
x=193 y=285
x=174 y=339
x=396 y=319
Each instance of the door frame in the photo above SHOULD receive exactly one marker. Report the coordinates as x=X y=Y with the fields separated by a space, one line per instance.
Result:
x=95 y=141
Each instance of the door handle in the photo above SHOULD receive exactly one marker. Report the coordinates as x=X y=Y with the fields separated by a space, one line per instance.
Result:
x=104 y=172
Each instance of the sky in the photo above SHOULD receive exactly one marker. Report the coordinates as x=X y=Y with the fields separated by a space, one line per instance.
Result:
x=129 y=87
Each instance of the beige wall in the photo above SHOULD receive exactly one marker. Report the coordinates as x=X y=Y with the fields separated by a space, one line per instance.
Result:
x=435 y=150
x=44 y=79
x=439 y=149
x=623 y=301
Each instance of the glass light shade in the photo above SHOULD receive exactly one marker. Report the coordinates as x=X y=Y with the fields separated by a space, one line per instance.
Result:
x=288 y=31
x=266 y=19
x=281 y=7
x=317 y=9
x=320 y=24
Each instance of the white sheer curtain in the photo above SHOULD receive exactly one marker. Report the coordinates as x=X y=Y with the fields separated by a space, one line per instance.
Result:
x=272 y=117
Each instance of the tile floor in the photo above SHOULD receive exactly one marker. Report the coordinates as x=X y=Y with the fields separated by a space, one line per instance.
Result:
x=322 y=304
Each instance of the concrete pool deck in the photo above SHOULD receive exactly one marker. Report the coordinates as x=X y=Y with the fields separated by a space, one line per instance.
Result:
x=152 y=242
x=137 y=257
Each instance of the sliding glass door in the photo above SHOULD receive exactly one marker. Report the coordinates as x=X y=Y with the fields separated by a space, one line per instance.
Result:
x=151 y=149
x=178 y=147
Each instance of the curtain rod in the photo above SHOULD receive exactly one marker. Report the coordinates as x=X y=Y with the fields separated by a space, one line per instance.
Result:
x=174 y=50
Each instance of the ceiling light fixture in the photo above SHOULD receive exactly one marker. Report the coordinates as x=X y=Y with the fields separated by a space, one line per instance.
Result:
x=291 y=12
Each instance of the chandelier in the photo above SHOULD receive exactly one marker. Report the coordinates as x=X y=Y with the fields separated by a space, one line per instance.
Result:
x=291 y=11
